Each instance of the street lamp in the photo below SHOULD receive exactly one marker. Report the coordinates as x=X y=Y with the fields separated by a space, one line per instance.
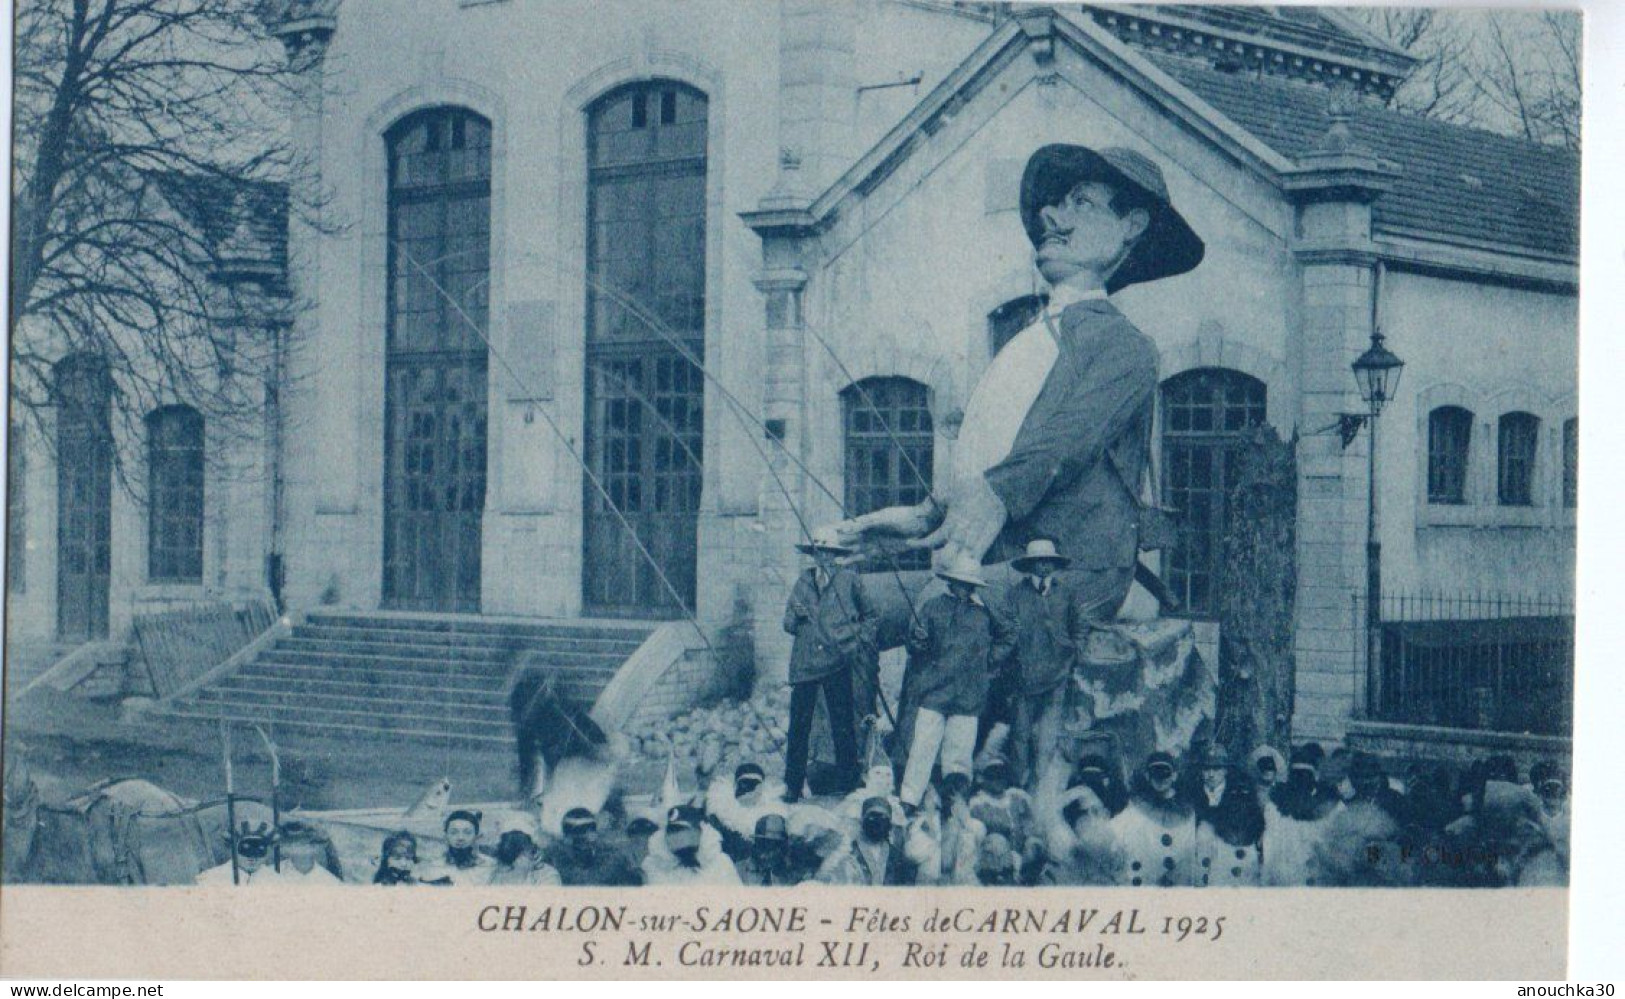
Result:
x=1377 y=373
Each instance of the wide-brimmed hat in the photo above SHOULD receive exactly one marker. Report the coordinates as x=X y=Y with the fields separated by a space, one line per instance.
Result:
x=824 y=540
x=1167 y=247
x=1215 y=756
x=771 y=827
x=962 y=569
x=1039 y=550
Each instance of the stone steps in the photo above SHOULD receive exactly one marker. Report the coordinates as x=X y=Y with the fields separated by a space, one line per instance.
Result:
x=411 y=679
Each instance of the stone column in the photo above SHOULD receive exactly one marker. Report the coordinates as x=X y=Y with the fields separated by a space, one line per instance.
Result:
x=305 y=28
x=783 y=486
x=818 y=88
x=1334 y=189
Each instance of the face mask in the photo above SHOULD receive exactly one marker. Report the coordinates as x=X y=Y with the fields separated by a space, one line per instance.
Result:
x=876 y=827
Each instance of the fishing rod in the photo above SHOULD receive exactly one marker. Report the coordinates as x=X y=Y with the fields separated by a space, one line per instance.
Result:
x=231 y=799
x=586 y=471
x=276 y=795
x=736 y=406
x=805 y=529
x=655 y=324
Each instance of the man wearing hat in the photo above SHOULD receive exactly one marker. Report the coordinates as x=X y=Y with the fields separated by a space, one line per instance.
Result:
x=736 y=805
x=1157 y=831
x=308 y=855
x=1229 y=823
x=584 y=859
x=1371 y=787
x=252 y=844
x=690 y=852
x=833 y=624
x=876 y=857
x=768 y=860
x=1295 y=819
x=1056 y=434
x=952 y=648
x=1048 y=627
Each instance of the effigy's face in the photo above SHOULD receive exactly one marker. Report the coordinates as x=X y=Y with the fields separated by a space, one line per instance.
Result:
x=1082 y=232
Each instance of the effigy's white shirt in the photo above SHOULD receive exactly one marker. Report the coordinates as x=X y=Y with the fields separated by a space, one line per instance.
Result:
x=1000 y=401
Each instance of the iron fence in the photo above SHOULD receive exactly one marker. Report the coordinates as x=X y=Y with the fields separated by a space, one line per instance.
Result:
x=1484 y=661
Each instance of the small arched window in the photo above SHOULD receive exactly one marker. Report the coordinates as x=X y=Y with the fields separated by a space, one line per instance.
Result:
x=1205 y=416
x=1518 y=441
x=175 y=495
x=889 y=449
x=1450 y=432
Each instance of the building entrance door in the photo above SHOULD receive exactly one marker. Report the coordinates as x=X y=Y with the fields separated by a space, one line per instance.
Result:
x=644 y=443
x=436 y=365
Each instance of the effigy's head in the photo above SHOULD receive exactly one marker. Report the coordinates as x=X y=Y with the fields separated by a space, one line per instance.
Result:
x=1104 y=211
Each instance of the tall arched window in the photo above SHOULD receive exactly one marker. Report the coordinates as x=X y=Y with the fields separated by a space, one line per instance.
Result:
x=889 y=449
x=1450 y=432
x=175 y=495
x=646 y=219
x=1205 y=415
x=1571 y=461
x=1519 y=438
x=435 y=368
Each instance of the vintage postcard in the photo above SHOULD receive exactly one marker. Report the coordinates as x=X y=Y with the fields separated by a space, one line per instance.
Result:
x=1073 y=490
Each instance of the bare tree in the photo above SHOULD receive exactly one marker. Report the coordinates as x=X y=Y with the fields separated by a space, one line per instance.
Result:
x=149 y=203
x=1516 y=72
x=1442 y=84
x=1531 y=74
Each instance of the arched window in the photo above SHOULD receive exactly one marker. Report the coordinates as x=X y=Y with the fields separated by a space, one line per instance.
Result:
x=175 y=495
x=889 y=447
x=646 y=239
x=1571 y=461
x=1450 y=431
x=1518 y=439
x=645 y=433
x=1205 y=415
x=436 y=359
x=1004 y=322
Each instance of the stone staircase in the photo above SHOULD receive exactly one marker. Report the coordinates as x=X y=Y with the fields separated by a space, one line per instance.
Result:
x=416 y=677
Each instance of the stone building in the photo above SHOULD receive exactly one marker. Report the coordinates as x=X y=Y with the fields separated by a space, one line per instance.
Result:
x=614 y=299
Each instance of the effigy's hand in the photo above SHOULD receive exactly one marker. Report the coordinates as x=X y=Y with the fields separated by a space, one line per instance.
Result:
x=974 y=519
x=889 y=531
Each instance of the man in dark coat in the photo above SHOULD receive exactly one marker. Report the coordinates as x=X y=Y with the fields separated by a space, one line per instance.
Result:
x=1229 y=823
x=1048 y=625
x=952 y=649
x=877 y=857
x=584 y=859
x=833 y=624
x=1056 y=434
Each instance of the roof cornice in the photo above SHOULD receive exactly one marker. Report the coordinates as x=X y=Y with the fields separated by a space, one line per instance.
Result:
x=1039 y=32
x=1371 y=68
